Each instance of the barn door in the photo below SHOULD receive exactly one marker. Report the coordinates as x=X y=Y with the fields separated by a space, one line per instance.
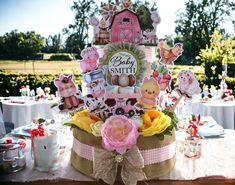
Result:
x=126 y=35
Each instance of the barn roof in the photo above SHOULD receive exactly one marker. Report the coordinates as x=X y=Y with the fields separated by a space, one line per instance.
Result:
x=122 y=12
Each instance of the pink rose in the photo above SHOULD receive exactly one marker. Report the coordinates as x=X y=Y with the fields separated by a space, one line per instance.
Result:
x=119 y=133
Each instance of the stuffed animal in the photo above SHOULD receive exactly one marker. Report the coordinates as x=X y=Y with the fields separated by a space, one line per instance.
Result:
x=89 y=59
x=149 y=92
x=169 y=55
x=68 y=92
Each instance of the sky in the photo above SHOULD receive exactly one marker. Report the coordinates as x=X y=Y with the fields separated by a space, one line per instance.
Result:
x=49 y=17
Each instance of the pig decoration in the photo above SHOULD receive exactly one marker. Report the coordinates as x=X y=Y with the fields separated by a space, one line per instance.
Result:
x=89 y=59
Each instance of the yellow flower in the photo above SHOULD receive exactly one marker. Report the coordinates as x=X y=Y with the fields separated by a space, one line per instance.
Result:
x=154 y=122
x=84 y=119
x=96 y=128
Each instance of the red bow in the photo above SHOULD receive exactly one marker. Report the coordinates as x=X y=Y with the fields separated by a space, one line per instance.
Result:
x=37 y=132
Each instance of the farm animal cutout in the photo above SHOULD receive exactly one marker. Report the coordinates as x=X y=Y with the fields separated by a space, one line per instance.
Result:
x=149 y=92
x=162 y=75
x=169 y=55
x=68 y=92
x=188 y=84
x=89 y=60
x=94 y=100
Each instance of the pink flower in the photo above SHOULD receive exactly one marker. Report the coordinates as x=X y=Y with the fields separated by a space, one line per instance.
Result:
x=119 y=133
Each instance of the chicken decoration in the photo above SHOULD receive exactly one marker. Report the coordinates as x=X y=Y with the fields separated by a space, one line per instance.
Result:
x=126 y=3
x=169 y=55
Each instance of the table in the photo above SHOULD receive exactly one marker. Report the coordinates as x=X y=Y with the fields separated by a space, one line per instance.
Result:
x=217 y=161
x=2 y=127
x=23 y=113
x=222 y=112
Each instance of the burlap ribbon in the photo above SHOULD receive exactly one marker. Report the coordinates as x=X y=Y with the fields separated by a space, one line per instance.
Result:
x=105 y=166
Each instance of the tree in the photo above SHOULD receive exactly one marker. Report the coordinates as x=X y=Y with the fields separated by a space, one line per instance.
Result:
x=217 y=54
x=77 y=33
x=200 y=20
x=135 y=5
x=21 y=45
x=53 y=44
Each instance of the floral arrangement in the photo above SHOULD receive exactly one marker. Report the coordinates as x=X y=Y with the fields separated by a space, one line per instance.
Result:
x=119 y=135
x=25 y=90
x=151 y=123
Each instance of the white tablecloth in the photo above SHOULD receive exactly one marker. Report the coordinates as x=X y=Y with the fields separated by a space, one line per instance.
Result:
x=22 y=114
x=2 y=126
x=222 y=112
x=217 y=159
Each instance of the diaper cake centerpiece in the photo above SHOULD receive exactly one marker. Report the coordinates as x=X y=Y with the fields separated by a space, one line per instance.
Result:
x=120 y=129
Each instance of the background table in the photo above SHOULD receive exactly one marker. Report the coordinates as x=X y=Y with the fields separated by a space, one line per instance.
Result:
x=222 y=112
x=22 y=114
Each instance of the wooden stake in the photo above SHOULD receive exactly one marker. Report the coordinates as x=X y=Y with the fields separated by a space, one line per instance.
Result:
x=172 y=109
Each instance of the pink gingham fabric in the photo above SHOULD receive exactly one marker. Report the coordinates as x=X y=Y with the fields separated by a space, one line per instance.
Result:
x=158 y=155
x=83 y=150
x=151 y=156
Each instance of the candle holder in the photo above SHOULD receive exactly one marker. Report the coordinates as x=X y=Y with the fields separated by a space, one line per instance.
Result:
x=45 y=150
x=193 y=147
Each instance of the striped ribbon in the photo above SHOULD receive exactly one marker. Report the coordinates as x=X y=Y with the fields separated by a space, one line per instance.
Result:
x=150 y=156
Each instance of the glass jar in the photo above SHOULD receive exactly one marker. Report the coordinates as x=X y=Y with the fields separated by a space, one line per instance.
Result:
x=12 y=159
x=193 y=147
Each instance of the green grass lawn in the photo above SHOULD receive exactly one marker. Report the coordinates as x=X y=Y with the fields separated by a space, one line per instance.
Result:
x=48 y=67
x=38 y=66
